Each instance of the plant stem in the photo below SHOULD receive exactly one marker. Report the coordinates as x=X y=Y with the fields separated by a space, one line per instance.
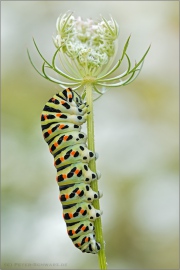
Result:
x=94 y=184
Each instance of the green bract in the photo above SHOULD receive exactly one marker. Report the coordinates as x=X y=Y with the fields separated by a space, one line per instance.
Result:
x=86 y=51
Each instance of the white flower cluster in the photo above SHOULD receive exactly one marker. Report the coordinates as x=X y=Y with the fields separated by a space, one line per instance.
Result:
x=86 y=51
x=90 y=43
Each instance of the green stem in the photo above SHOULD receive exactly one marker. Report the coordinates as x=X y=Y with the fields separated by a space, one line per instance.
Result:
x=94 y=184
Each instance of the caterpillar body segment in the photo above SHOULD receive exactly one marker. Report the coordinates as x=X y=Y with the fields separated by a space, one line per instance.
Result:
x=86 y=243
x=75 y=229
x=61 y=122
x=48 y=118
x=79 y=212
x=53 y=130
x=58 y=104
x=75 y=193
x=63 y=140
x=74 y=153
x=75 y=173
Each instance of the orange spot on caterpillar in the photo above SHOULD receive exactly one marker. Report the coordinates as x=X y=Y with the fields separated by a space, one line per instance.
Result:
x=70 y=215
x=62 y=101
x=77 y=171
x=55 y=144
x=65 y=138
x=66 y=196
x=45 y=116
x=49 y=131
x=78 y=191
x=73 y=153
x=81 y=211
x=73 y=232
x=58 y=114
x=83 y=228
x=86 y=239
x=64 y=176
x=61 y=126
x=61 y=158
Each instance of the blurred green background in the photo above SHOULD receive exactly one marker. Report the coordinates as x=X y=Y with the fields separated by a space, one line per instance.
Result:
x=136 y=137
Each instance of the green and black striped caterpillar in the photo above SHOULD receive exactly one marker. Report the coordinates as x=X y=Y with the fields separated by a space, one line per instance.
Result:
x=61 y=122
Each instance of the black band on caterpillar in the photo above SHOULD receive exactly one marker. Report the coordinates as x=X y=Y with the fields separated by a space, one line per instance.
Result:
x=61 y=122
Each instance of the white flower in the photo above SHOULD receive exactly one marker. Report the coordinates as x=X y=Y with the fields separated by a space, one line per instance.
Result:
x=86 y=52
x=90 y=44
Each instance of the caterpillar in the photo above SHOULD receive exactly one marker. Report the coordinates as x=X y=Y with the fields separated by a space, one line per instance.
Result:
x=61 y=121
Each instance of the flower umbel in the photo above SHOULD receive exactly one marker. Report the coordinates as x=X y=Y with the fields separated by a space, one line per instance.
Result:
x=86 y=41
x=86 y=51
